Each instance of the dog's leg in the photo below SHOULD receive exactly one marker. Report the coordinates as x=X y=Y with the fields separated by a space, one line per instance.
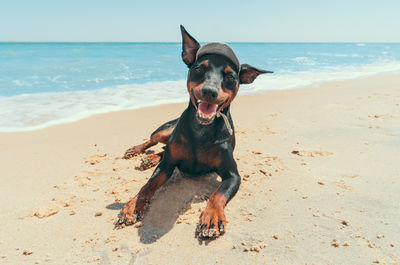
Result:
x=161 y=135
x=134 y=208
x=212 y=219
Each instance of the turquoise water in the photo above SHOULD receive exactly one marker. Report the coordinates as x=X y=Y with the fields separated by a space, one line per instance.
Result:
x=43 y=84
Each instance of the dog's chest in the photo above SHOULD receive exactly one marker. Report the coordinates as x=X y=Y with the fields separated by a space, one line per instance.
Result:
x=195 y=158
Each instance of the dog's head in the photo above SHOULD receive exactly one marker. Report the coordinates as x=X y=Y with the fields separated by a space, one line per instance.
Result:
x=214 y=76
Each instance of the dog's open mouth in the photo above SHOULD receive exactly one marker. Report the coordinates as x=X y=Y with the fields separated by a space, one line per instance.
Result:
x=206 y=112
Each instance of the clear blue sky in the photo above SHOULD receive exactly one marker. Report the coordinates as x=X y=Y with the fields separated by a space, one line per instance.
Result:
x=207 y=20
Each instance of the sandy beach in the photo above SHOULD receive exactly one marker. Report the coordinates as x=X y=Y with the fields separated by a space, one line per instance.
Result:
x=320 y=185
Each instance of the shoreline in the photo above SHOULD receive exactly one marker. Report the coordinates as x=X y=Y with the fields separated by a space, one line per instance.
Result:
x=320 y=182
x=164 y=102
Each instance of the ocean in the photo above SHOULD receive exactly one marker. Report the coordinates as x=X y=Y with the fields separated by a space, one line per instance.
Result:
x=44 y=84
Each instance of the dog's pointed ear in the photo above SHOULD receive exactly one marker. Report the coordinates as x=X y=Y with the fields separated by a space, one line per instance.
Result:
x=248 y=73
x=189 y=47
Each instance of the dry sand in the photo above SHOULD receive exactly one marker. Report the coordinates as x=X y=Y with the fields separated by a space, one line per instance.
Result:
x=321 y=185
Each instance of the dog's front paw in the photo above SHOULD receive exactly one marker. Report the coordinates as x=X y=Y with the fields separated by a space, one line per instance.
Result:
x=130 y=213
x=133 y=151
x=212 y=222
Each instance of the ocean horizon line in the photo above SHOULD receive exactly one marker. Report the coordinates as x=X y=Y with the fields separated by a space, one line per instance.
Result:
x=202 y=42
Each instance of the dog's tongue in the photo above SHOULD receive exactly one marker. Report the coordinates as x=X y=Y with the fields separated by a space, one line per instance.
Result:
x=207 y=109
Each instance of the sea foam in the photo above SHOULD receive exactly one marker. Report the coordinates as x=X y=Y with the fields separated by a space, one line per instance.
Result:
x=26 y=112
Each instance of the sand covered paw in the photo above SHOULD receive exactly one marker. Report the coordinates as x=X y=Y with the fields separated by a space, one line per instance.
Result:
x=133 y=151
x=149 y=161
x=212 y=223
x=130 y=213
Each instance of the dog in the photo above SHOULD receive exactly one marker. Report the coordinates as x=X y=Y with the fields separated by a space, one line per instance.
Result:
x=202 y=140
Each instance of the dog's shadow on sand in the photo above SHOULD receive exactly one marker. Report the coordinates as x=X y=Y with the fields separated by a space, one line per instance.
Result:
x=171 y=201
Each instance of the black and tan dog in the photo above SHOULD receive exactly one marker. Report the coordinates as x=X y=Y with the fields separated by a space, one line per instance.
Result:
x=202 y=140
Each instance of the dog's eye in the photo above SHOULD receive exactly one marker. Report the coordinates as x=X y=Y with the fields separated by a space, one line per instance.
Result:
x=199 y=69
x=197 y=73
x=229 y=77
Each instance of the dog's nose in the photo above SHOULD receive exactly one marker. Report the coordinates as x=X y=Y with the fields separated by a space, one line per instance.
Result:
x=209 y=93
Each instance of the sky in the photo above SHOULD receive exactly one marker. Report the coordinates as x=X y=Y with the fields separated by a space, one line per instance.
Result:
x=207 y=20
